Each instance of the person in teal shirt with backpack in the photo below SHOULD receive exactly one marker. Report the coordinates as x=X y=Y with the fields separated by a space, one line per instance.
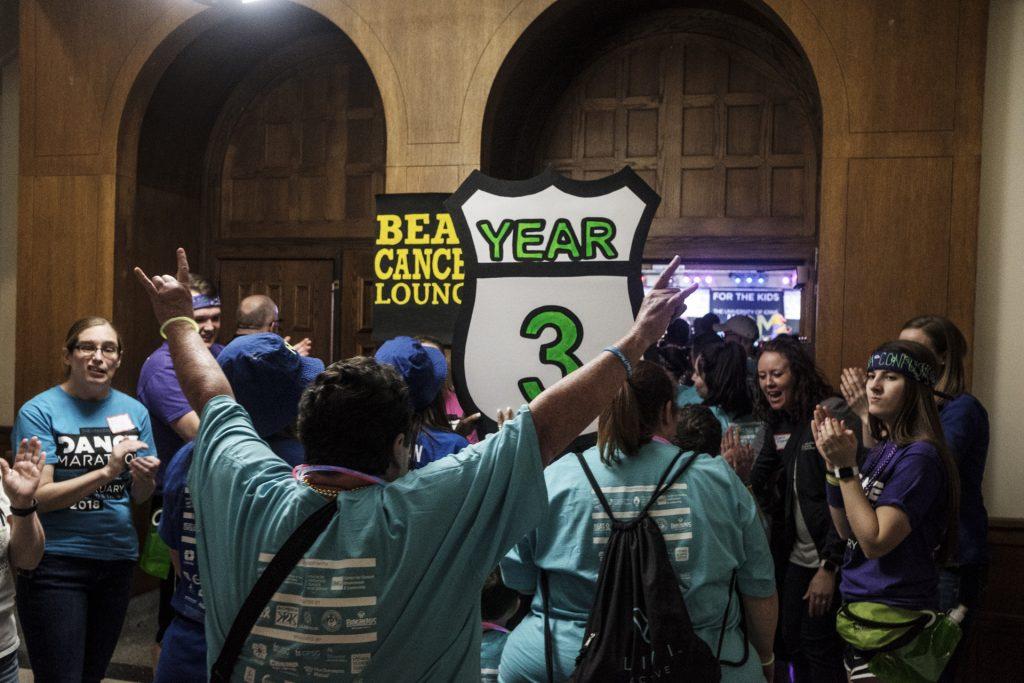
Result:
x=707 y=518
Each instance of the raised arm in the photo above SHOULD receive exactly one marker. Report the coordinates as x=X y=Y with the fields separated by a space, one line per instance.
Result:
x=198 y=373
x=20 y=483
x=563 y=411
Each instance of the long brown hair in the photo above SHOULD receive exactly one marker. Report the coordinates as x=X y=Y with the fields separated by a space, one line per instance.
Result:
x=918 y=420
x=633 y=416
x=809 y=384
x=950 y=348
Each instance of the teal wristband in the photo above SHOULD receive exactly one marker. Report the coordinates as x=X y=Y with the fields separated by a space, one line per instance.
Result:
x=614 y=350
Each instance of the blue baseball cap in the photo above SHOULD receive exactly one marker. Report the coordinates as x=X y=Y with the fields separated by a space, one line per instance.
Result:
x=423 y=368
x=268 y=377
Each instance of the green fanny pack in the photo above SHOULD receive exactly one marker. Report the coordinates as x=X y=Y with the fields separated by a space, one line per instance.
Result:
x=901 y=645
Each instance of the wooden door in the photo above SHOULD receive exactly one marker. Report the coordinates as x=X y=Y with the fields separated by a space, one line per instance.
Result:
x=723 y=136
x=302 y=288
x=357 y=303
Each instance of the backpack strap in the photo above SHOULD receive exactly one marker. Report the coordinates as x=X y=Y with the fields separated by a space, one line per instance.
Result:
x=549 y=654
x=659 y=488
x=597 y=488
x=725 y=622
x=268 y=583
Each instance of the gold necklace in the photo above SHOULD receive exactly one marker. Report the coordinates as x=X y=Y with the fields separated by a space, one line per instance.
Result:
x=323 y=490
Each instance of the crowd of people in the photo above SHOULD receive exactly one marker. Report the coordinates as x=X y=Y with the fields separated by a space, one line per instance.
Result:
x=737 y=517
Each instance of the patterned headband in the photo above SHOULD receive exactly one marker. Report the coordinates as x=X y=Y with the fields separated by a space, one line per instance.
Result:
x=203 y=301
x=897 y=361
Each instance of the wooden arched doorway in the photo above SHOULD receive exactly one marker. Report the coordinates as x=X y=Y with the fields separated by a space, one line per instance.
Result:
x=294 y=161
x=716 y=109
x=260 y=149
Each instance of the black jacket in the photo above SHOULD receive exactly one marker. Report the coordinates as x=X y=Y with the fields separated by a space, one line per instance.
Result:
x=771 y=481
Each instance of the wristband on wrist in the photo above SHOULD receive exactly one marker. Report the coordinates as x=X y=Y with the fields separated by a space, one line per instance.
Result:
x=182 y=318
x=842 y=473
x=769 y=661
x=614 y=350
x=25 y=512
x=831 y=480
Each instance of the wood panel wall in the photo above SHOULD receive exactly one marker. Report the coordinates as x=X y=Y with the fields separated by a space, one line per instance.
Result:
x=993 y=650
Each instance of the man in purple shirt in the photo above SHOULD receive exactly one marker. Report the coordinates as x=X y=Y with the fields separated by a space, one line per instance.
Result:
x=173 y=421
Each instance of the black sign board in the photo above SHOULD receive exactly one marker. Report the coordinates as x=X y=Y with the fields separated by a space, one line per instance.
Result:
x=419 y=268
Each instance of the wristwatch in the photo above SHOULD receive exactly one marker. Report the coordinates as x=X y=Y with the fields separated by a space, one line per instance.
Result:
x=842 y=473
x=829 y=566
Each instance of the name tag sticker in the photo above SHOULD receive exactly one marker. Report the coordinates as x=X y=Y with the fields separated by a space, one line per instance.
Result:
x=780 y=441
x=120 y=423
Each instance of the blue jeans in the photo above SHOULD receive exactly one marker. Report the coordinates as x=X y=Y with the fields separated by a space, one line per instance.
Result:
x=9 y=668
x=71 y=611
x=182 y=653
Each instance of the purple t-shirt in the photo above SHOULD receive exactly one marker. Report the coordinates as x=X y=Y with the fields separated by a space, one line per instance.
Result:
x=159 y=391
x=914 y=481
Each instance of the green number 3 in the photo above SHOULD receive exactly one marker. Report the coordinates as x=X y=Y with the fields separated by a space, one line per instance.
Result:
x=559 y=352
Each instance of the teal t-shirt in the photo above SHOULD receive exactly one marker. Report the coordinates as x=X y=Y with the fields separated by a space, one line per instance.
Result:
x=687 y=395
x=710 y=525
x=391 y=590
x=491 y=645
x=77 y=439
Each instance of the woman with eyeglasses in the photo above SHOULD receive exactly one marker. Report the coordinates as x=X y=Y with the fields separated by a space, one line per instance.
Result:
x=72 y=606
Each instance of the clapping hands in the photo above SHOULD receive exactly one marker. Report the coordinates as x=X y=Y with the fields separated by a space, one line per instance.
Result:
x=853 y=385
x=739 y=456
x=836 y=444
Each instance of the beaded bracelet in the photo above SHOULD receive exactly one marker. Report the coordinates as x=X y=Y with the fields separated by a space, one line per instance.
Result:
x=614 y=350
x=182 y=318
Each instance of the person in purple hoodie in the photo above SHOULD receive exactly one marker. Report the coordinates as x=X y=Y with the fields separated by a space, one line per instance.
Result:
x=965 y=425
x=898 y=511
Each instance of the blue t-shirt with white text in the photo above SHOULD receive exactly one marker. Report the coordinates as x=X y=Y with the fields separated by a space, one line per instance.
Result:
x=178 y=530
x=77 y=439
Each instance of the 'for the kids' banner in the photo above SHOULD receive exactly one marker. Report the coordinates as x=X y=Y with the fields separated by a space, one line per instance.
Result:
x=418 y=266
x=552 y=278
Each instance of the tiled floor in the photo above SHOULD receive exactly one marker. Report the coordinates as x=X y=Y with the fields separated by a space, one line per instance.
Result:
x=133 y=657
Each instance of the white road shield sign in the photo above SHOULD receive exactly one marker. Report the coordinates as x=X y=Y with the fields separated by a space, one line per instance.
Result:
x=552 y=278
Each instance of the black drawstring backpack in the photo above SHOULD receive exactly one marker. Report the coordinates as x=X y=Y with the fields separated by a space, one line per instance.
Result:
x=639 y=627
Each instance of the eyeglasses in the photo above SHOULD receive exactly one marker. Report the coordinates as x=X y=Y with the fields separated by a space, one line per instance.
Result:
x=109 y=351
